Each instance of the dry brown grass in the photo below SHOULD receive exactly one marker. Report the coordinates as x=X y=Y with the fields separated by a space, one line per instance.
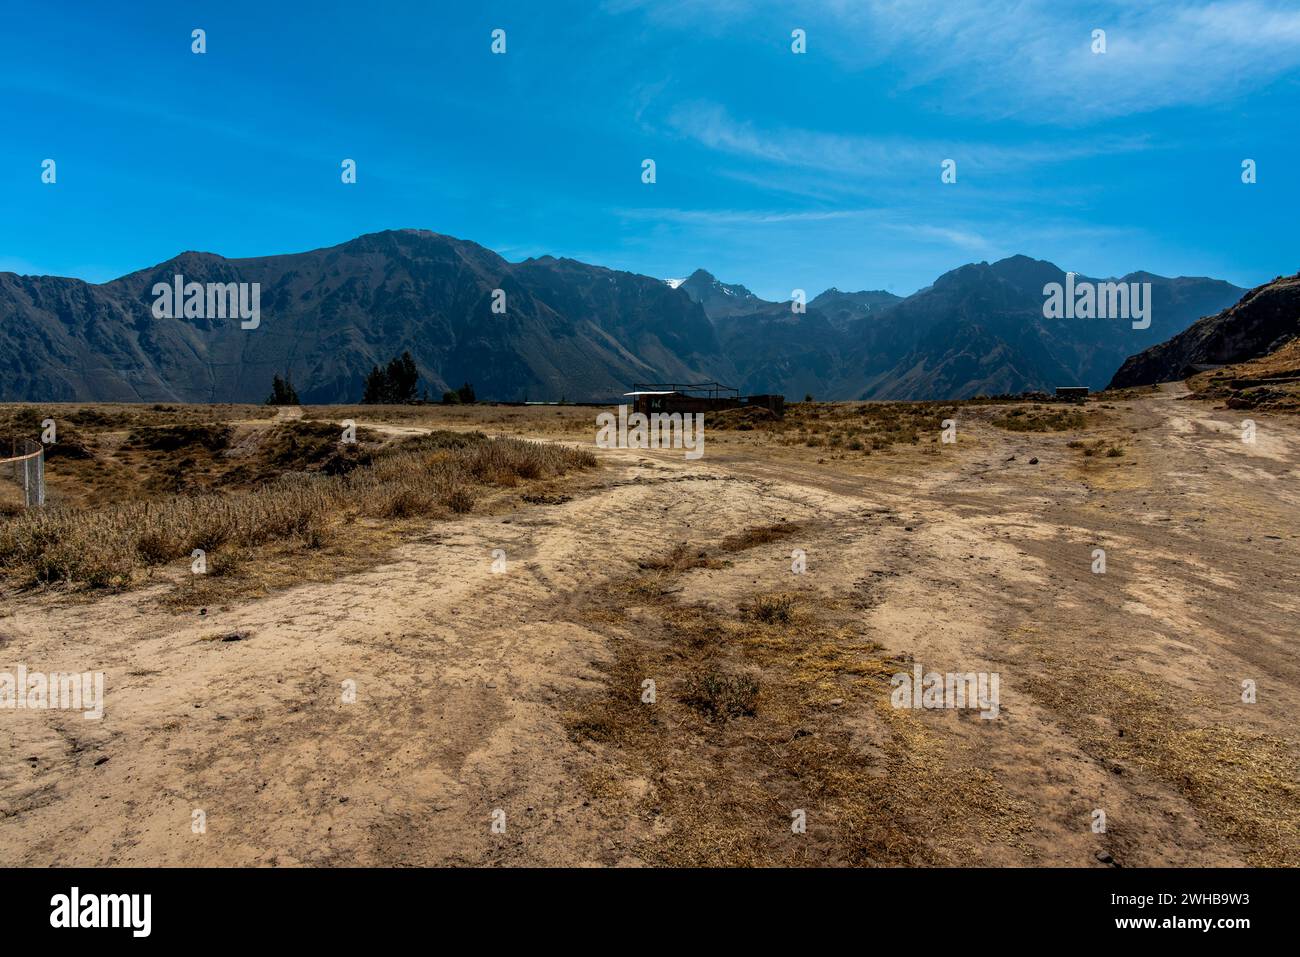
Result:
x=760 y=714
x=1270 y=382
x=107 y=454
x=25 y=418
x=864 y=427
x=1038 y=419
x=571 y=420
x=1245 y=784
x=107 y=546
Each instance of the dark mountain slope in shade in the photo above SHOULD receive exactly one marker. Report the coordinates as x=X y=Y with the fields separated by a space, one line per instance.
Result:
x=777 y=350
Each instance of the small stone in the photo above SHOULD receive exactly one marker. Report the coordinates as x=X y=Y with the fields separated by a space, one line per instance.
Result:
x=836 y=702
x=1033 y=461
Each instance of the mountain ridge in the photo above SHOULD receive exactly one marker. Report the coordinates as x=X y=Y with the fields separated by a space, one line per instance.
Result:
x=570 y=329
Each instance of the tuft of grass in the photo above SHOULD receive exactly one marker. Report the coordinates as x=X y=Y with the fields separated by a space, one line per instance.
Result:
x=758 y=535
x=770 y=609
x=683 y=557
x=719 y=695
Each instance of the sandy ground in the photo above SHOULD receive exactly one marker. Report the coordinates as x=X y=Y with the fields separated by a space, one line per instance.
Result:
x=971 y=560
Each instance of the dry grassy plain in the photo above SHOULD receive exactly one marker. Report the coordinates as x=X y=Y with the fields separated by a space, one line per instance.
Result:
x=519 y=689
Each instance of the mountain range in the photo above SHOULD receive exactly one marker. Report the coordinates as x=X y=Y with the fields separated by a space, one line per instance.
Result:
x=569 y=330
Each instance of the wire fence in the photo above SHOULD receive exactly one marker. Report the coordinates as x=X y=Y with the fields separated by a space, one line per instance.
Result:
x=26 y=468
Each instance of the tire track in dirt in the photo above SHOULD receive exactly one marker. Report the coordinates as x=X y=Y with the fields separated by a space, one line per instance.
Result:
x=456 y=668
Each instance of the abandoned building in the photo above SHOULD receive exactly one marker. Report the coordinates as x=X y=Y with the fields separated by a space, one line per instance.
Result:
x=1072 y=393
x=670 y=397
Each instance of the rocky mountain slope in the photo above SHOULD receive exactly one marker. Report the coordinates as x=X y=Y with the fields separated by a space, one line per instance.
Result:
x=1264 y=320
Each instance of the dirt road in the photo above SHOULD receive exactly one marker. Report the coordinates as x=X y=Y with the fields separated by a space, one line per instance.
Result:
x=1120 y=691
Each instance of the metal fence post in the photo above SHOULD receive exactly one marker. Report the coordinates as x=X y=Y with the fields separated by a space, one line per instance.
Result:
x=29 y=457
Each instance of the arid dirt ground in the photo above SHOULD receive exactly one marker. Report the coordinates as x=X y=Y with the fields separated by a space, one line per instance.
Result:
x=520 y=691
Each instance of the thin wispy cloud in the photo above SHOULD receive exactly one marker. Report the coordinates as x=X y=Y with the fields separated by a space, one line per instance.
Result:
x=1031 y=59
x=905 y=224
x=1035 y=59
x=741 y=217
x=713 y=126
x=957 y=238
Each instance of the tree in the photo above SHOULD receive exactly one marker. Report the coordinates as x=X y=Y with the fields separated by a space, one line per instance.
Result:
x=376 y=387
x=282 y=391
x=402 y=378
x=466 y=393
x=451 y=398
x=394 y=384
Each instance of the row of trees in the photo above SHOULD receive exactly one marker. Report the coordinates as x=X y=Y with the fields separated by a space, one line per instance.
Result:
x=394 y=384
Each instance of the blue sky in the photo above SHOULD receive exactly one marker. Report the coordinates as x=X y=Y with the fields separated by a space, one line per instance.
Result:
x=775 y=170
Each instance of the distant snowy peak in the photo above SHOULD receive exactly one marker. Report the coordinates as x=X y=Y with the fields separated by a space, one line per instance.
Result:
x=719 y=299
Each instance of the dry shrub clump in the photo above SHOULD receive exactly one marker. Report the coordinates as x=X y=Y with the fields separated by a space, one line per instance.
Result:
x=719 y=695
x=103 y=547
x=172 y=438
